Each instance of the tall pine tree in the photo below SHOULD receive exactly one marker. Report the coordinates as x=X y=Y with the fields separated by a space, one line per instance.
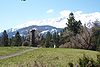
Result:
x=17 y=40
x=48 y=40
x=56 y=39
x=96 y=37
x=73 y=25
x=5 y=38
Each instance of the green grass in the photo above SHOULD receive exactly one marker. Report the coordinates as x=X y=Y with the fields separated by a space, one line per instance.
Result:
x=49 y=57
x=10 y=50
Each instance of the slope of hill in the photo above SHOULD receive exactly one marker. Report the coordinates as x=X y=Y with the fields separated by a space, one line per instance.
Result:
x=49 y=57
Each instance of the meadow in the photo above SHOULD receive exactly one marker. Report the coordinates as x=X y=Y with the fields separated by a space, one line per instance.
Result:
x=48 y=57
x=10 y=50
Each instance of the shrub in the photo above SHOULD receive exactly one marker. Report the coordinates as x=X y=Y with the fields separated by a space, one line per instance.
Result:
x=70 y=64
x=26 y=43
x=87 y=62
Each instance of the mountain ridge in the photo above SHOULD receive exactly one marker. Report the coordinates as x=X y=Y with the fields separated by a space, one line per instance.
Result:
x=41 y=29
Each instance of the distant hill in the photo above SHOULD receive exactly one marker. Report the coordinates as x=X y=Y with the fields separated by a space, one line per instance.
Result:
x=25 y=30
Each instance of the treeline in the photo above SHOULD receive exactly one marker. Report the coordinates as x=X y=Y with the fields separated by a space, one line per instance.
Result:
x=14 y=41
x=49 y=40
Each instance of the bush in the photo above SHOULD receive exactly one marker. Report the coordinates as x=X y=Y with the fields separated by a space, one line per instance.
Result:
x=26 y=43
x=87 y=62
x=70 y=64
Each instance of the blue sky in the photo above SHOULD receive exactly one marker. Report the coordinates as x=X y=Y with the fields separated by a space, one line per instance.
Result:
x=14 y=12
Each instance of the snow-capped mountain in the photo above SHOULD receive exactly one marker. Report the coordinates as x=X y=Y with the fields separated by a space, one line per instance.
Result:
x=41 y=29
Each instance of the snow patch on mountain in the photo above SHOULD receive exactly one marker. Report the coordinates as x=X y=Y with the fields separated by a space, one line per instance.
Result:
x=44 y=31
x=53 y=30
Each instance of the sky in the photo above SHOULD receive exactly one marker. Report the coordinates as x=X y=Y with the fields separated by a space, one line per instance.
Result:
x=14 y=13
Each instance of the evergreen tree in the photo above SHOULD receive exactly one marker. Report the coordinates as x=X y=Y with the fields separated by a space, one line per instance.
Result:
x=13 y=41
x=56 y=39
x=32 y=38
x=48 y=40
x=0 y=41
x=5 y=38
x=10 y=41
x=42 y=41
x=96 y=38
x=17 y=40
x=73 y=25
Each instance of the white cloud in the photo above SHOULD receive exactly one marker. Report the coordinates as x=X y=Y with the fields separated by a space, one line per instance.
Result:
x=65 y=13
x=84 y=17
x=87 y=17
x=49 y=11
x=60 y=22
